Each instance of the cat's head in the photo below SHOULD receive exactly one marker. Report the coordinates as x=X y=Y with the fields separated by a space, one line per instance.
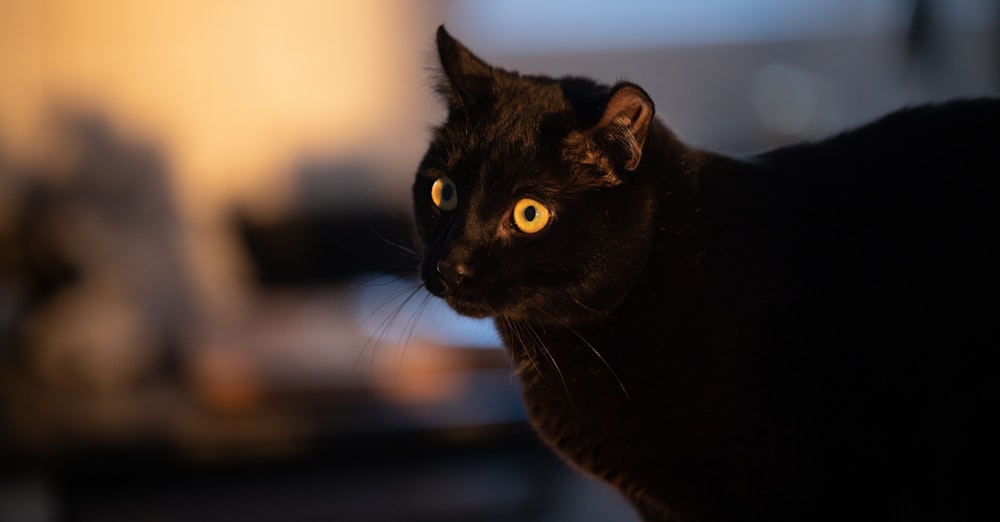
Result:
x=531 y=200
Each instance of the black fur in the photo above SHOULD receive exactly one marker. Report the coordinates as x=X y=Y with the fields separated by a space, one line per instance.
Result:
x=807 y=334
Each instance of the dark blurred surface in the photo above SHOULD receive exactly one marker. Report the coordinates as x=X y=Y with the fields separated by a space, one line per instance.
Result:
x=325 y=248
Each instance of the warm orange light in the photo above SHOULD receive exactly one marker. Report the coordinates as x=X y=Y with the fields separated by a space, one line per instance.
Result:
x=233 y=90
x=233 y=94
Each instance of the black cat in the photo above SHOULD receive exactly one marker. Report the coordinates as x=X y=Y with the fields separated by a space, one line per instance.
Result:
x=807 y=334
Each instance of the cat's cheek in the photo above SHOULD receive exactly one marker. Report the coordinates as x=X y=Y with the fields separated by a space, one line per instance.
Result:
x=432 y=283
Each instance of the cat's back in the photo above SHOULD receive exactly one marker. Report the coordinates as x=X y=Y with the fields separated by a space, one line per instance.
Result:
x=880 y=227
x=863 y=266
x=919 y=186
x=931 y=155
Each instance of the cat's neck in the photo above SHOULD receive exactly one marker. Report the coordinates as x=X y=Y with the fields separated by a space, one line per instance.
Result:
x=678 y=178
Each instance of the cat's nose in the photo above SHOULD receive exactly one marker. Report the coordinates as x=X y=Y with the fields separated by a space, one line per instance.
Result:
x=453 y=272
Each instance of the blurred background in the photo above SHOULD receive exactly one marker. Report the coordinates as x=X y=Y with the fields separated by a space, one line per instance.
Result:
x=208 y=309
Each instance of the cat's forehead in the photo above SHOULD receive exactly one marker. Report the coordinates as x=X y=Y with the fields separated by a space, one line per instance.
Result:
x=514 y=138
x=520 y=111
x=498 y=158
x=493 y=160
x=521 y=117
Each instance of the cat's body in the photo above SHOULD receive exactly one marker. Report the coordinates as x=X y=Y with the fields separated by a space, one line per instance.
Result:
x=808 y=334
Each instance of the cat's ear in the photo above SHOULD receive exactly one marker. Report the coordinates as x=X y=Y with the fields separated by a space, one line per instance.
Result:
x=467 y=79
x=624 y=124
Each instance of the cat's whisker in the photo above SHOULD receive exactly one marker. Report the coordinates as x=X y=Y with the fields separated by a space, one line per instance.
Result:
x=387 y=322
x=400 y=248
x=512 y=328
x=572 y=297
x=381 y=330
x=410 y=326
x=530 y=363
x=377 y=279
x=592 y=349
x=548 y=354
x=520 y=365
x=395 y=295
x=517 y=329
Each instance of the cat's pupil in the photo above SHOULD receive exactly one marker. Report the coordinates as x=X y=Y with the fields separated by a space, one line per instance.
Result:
x=447 y=191
x=530 y=212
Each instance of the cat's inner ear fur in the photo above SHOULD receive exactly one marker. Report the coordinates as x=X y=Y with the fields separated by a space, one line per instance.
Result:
x=615 y=142
x=467 y=79
x=625 y=122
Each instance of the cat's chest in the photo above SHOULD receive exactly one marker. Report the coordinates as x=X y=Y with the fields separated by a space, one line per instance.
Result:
x=579 y=404
x=606 y=389
x=576 y=371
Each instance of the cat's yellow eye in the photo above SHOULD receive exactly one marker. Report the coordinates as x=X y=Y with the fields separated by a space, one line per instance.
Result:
x=443 y=194
x=530 y=216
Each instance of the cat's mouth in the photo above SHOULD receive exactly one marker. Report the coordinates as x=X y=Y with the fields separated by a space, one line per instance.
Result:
x=471 y=309
x=459 y=297
x=476 y=303
x=464 y=305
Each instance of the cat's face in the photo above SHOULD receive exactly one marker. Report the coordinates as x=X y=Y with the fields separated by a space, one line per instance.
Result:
x=525 y=202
